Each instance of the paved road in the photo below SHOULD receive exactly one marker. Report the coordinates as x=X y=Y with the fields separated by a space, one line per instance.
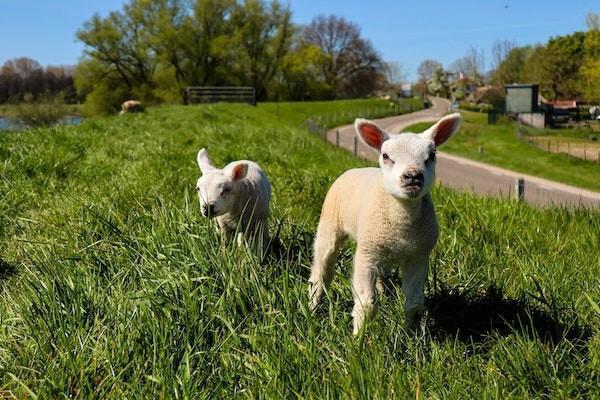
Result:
x=464 y=174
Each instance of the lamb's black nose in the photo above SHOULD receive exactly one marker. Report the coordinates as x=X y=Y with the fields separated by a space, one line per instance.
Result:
x=413 y=178
x=208 y=209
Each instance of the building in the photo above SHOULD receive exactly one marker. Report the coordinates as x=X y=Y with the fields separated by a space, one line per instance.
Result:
x=521 y=98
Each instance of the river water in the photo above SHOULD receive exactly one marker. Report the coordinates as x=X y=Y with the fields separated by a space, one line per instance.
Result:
x=8 y=124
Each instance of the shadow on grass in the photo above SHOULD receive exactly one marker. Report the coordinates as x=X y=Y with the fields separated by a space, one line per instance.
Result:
x=472 y=315
x=291 y=248
x=7 y=269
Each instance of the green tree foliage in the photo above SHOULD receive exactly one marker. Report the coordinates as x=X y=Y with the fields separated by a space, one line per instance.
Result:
x=438 y=84
x=510 y=69
x=152 y=50
x=566 y=67
x=301 y=75
x=119 y=59
x=263 y=34
x=590 y=67
x=562 y=61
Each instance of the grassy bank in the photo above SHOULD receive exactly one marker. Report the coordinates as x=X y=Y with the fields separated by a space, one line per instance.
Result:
x=113 y=285
x=501 y=147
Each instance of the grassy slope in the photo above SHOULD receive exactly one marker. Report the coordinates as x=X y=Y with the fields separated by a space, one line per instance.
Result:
x=502 y=148
x=114 y=286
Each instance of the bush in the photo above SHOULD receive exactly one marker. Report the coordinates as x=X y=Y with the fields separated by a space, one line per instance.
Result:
x=481 y=107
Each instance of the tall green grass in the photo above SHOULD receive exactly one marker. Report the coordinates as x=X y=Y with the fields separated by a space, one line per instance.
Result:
x=113 y=285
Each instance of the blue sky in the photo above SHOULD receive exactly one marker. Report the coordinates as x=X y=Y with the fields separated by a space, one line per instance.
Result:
x=402 y=31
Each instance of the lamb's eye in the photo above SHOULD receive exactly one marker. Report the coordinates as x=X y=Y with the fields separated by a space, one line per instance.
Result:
x=226 y=189
x=431 y=157
x=197 y=189
x=385 y=156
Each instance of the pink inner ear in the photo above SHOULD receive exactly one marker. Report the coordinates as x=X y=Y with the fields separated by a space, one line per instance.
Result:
x=371 y=135
x=443 y=131
x=238 y=171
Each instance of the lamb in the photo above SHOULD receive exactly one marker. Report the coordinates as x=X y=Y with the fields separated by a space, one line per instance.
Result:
x=131 y=106
x=238 y=196
x=389 y=212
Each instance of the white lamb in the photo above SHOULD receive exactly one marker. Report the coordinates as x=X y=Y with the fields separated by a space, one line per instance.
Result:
x=238 y=196
x=388 y=211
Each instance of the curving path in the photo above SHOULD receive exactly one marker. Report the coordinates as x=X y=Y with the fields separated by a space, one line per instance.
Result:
x=464 y=174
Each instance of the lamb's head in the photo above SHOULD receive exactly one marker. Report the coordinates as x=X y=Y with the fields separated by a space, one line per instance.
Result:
x=407 y=160
x=218 y=189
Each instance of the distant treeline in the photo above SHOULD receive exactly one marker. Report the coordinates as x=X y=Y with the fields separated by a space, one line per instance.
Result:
x=24 y=79
x=152 y=50
x=566 y=67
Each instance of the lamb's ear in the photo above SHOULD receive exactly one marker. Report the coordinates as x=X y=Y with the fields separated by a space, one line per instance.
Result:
x=372 y=135
x=443 y=129
x=238 y=171
x=203 y=161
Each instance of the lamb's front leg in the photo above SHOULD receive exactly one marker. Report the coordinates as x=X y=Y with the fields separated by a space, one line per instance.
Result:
x=364 y=278
x=226 y=232
x=414 y=275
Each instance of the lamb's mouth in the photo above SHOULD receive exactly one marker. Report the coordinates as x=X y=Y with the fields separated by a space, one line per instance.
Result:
x=413 y=189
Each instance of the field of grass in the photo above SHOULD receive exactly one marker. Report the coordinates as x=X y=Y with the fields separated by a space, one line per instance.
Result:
x=582 y=131
x=502 y=148
x=113 y=286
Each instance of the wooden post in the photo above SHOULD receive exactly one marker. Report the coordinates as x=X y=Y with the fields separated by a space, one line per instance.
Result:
x=337 y=138
x=584 y=153
x=355 y=144
x=480 y=149
x=520 y=189
x=569 y=148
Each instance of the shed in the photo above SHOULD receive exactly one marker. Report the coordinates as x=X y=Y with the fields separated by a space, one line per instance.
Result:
x=521 y=98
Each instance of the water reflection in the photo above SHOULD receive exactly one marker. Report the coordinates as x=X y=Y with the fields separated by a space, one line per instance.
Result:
x=15 y=124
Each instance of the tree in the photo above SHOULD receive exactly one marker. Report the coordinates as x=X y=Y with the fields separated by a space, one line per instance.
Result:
x=351 y=66
x=592 y=21
x=557 y=66
x=471 y=65
x=510 y=69
x=438 y=84
x=500 y=51
x=301 y=75
x=119 y=46
x=24 y=77
x=427 y=68
x=394 y=73
x=191 y=44
x=152 y=50
x=590 y=67
x=264 y=35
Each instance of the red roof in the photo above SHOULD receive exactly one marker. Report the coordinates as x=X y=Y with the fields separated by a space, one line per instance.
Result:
x=566 y=104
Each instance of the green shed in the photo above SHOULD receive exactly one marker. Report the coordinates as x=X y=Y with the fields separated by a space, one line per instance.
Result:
x=521 y=98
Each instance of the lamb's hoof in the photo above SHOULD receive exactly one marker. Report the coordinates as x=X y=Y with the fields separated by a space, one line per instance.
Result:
x=360 y=315
x=315 y=292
